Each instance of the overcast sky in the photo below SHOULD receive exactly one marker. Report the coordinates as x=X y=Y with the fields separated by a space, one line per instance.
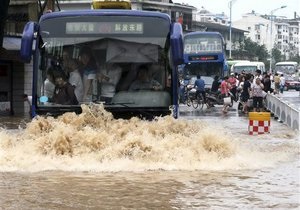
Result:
x=240 y=7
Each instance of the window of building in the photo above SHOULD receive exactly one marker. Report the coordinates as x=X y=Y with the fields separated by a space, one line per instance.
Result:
x=257 y=27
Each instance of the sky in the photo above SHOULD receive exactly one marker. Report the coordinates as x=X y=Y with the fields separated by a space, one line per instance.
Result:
x=240 y=7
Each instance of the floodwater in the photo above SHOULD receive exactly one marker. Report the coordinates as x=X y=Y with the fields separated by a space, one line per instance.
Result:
x=91 y=161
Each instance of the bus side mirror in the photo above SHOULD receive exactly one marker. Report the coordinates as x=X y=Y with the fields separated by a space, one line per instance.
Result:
x=27 y=41
x=177 y=44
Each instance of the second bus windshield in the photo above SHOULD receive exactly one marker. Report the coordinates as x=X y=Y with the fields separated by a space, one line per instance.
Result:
x=194 y=44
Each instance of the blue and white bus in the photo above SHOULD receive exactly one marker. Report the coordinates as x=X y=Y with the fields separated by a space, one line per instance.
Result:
x=114 y=36
x=204 y=54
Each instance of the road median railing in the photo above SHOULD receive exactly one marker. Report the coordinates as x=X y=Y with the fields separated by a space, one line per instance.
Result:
x=284 y=111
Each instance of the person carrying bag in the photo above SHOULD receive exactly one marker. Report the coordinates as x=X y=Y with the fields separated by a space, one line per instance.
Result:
x=225 y=87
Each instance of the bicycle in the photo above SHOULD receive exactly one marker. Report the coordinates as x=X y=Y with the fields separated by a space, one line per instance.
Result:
x=188 y=95
x=191 y=100
x=198 y=101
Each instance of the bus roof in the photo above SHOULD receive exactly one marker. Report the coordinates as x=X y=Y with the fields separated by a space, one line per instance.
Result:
x=104 y=12
x=258 y=62
x=231 y=62
x=203 y=32
x=286 y=63
x=245 y=64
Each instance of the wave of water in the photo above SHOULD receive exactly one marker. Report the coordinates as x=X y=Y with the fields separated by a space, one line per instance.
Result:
x=94 y=141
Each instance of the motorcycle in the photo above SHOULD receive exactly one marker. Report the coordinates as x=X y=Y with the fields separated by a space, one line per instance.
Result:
x=216 y=98
x=241 y=104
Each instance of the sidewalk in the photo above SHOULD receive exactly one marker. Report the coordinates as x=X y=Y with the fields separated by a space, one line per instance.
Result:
x=234 y=120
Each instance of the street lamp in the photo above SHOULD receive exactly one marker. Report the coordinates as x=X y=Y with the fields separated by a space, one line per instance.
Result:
x=230 y=24
x=271 y=44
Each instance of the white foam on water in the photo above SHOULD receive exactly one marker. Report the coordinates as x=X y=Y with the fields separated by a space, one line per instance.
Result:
x=94 y=141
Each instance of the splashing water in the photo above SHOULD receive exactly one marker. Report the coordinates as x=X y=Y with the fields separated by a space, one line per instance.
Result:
x=95 y=141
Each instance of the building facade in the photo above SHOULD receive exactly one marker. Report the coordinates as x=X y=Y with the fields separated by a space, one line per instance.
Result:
x=279 y=32
x=15 y=76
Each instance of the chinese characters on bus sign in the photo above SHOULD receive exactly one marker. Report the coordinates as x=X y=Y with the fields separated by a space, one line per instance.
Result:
x=104 y=28
x=198 y=48
x=203 y=58
x=128 y=27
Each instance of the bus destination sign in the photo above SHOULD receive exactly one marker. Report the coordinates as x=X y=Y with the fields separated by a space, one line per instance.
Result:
x=104 y=28
x=203 y=57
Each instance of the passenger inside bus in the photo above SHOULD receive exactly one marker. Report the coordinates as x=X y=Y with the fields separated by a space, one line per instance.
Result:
x=108 y=77
x=88 y=71
x=64 y=91
x=144 y=81
x=75 y=78
x=66 y=58
x=48 y=86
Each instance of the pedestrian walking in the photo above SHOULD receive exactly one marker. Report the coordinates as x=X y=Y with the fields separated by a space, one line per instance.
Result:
x=225 y=88
x=281 y=83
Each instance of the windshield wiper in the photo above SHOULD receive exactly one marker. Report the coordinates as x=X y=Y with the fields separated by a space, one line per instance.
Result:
x=148 y=115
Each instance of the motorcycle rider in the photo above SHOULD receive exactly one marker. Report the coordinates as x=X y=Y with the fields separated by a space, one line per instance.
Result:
x=200 y=87
x=215 y=85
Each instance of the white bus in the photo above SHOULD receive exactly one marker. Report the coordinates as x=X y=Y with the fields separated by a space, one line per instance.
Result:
x=248 y=67
x=286 y=67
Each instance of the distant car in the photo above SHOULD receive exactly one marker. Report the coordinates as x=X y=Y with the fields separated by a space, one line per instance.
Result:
x=207 y=80
x=291 y=83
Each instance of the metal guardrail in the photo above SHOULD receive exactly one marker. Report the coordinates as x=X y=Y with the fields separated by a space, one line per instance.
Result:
x=284 y=111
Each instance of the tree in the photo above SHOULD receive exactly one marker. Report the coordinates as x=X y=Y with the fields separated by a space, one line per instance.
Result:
x=251 y=50
x=262 y=53
x=295 y=58
x=276 y=54
x=3 y=16
x=293 y=54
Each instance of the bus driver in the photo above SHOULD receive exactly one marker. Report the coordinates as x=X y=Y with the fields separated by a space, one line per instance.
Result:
x=143 y=82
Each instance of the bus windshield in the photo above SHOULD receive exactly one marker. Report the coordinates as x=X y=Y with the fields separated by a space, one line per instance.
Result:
x=101 y=57
x=202 y=43
x=246 y=68
x=203 y=69
x=285 y=68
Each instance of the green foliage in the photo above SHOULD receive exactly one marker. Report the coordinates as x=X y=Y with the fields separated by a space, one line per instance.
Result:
x=276 y=55
x=295 y=58
x=251 y=51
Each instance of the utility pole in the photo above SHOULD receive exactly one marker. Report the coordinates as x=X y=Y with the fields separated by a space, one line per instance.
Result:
x=271 y=34
x=230 y=25
x=3 y=16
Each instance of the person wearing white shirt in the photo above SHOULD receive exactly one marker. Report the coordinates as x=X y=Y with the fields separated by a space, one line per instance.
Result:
x=257 y=94
x=88 y=71
x=257 y=75
x=75 y=79
x=281 y=83
x=48 y=86
x=109 y=77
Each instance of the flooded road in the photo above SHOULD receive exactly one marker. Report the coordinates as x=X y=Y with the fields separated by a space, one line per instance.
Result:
x=196 y=162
